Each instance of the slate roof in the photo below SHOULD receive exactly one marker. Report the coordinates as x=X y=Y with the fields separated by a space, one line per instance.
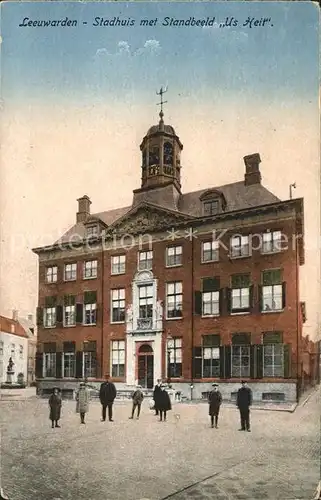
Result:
x=237 y=195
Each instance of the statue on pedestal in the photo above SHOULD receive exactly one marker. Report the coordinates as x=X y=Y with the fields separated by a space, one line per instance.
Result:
x=10 y=371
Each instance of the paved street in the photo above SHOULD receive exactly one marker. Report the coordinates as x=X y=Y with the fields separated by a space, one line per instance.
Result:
x=146 y=459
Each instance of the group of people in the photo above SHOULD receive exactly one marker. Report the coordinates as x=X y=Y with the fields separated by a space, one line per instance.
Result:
x=161 y=405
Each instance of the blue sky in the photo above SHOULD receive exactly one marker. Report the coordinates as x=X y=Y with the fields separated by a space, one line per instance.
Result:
x=57 y=64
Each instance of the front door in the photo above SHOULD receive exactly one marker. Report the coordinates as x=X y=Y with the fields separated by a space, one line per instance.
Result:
x=146 y=367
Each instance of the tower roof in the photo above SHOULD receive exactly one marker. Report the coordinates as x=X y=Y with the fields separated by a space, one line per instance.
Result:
x=168 y=129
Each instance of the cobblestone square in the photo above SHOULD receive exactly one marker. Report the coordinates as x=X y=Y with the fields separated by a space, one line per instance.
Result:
x=147 y=459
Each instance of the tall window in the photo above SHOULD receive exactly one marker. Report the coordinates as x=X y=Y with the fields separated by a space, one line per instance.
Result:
x=273 y=354
x=241 y=347
x=211 y=356
x=145 y=301
x=272 y=242
x=168 y=154
x=118 y=264
x=210 y=296
x=51 y=274
x=118 y=305
x=211 y=207
x=90 y=308
x=13 y=351
x=240 y=299
x=174 y=300
x=49 y=312
x=145 y=260
x=174 y=353
x=118 y=358
x=240 y=246
x=49 y=360
x=69 y=310
x=1 y=347
x=70 y=272
x=89 y=360
x=174 y=256
x=90 y=269
x=272 y=291
x=210 y=251
x=69 y=360
x=21 y=351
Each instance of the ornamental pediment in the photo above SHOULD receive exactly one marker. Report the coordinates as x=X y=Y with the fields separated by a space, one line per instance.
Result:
x=147 y=219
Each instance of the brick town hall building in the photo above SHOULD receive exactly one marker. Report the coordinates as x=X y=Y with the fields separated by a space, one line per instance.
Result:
x=195 y=287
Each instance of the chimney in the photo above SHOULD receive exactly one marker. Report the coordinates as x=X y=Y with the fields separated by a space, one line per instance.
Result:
x=15 y=314
x=83 y=209
x=252 y=169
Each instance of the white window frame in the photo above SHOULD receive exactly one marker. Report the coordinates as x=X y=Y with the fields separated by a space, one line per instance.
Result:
x=146 y=300
x=68 y=355
x=272 y=241
x=240 y=246
x=273 y=370
x=212 y=298
x=175 y=350
x=178 y=303
x=212 y=353
x=270 y=295
x=49 y=358
x=92 y=308
x=243 y=295
x=49 y=312
x=91 y=266
x=70 y=272
x=92 y=373
x=244 y=369
x=51 y=274
x=92 y=231
x=70 y=313
x=211 y=202
x=145 y=260
x=118 y=354
x=118 y=264
x=210 y=247
x=117 y=295
x=174 y=252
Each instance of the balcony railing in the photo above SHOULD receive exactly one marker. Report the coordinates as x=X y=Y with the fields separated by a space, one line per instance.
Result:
x=144 y=323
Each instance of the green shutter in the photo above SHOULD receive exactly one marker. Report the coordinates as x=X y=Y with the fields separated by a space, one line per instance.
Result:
x=253 y=361
x=59 y=365
x=79 y=356
x=228 y=293
x=59 y=314
x=272 y=277
x=241 y=339
x=251 y=298
x=287 y=360
x=51 y=301
x=222 y=361
x=90 y=346
x=227 y=362
x=79 y=313
x=259 y=360
x=241 y=280
x=69 y=300
x=90 y=297
x=39 y=316
x=49 y=347
x=69 y=346
x=198 y=303
x=39 y=365
x=272 y=338
x=210 y=284
x=283 y=295
x=260 y=298
x=211 y=340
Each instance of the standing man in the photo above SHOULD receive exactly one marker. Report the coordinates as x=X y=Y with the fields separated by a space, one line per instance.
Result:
x=243 y=402
x=137 y=398
x=215 y=401
x=156 y=394
x=107 y=395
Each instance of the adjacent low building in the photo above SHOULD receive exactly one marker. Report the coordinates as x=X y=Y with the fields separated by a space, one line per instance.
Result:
x=193 y=287
x=14 y=346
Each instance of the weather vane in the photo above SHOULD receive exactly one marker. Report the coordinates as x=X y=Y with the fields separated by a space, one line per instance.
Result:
x=161 y=93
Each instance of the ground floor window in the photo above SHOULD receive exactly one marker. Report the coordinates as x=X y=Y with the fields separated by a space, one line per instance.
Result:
x=273 y=360
x=89 y=360
x=49 y=364
x=174 y=357
x=240 y=358
x=69 y=360
x=118 y=358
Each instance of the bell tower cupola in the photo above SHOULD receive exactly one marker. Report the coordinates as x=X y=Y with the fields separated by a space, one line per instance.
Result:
x=161 y=152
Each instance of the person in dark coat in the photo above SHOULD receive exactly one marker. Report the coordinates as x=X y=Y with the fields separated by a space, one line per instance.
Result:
x=156 y=393
x=107 y=395
x=214 y=401
x=137 y=398
x=55 y=408
x=164 y=403
x=243 y=402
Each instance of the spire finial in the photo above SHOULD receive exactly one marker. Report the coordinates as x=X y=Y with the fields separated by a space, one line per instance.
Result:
x=161 y=93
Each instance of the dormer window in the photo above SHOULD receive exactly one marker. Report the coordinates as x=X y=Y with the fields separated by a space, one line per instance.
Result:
x=92 y=231
x=211 y=207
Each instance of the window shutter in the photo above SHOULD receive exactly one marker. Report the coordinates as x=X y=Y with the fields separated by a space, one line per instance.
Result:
x=59 y=314
x=287 y=360
x=198 y=303
x=222 y=360
x=79 y=313
x=59 y=365
x=79 y=363
x=227 y=362
x=221 y=301
x=39 y=364
x=253 y=362
x=98 y=311
x=90 y=297
x=211 y=284
x=51 y=301
x=259 y=360
x=251 y=303
x=39 y=316
x=283 y=295
x=197 y=362
x=260 y=298
x=229 y=300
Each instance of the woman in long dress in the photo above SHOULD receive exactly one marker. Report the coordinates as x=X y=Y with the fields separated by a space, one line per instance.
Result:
x=55 y=408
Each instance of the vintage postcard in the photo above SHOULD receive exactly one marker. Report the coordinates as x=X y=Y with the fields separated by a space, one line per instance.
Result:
x=160 y=250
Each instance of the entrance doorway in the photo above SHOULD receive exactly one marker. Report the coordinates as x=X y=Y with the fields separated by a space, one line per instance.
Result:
x=146 y=366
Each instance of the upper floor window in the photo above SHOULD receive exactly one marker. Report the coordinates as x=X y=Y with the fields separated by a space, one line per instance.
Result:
x=210 y=296
x=51 y=274
x=69 y=318
x=210 y=251
x=145 y=260
x=70 y=273
x=211 y=207
x=272 y=241
x=145 y=298
x=272 y=291
x=240 y=294
x=174 y=353
x=49 y=312
x=174 y=300
x=92 y=231
x=90 y=308
x=118 y=358
x=240 y=246
x=118 y=263
x=118 y=305
x=174 y=256
x=90 y=269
